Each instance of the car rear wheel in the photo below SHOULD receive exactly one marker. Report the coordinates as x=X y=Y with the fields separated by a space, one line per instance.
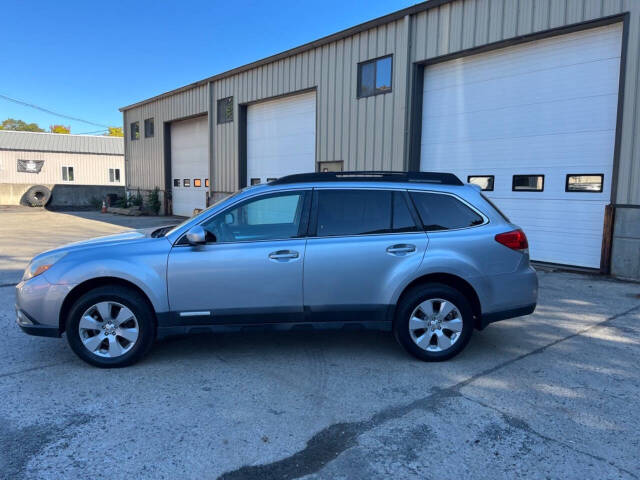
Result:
x=110 y=327
x=433 y=322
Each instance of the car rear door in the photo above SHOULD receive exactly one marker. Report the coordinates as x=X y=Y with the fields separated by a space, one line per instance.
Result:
x=363 y=243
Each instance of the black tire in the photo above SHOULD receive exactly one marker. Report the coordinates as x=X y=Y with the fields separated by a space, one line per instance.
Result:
x=124 y=296
x=414 y=297
x=37 y=196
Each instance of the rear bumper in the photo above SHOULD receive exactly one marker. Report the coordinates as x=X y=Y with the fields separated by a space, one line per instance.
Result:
x=488 y=318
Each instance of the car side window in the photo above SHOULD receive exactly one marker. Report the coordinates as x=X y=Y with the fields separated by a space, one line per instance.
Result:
x=361 y=212
x=443 y=212
x=268 y=217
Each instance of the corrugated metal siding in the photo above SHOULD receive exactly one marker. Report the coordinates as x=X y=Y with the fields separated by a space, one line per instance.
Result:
x=58 y=142
x=88 y=169
x=144 y=157
x=466 y=24
x=367 y=133
x=371 y=133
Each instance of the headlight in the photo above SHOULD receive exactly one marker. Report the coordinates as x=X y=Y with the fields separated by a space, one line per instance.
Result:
x=41 y=265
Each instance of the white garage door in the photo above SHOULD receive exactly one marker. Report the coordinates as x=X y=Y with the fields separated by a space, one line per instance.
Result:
x=546 y=108
x=281 y=138
x=189 y=165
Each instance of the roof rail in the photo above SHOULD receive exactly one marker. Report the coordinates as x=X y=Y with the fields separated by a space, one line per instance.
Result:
x=370 y=176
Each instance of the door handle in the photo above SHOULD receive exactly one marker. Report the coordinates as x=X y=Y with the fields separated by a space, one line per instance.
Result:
x=283 y=255
x=401 y=249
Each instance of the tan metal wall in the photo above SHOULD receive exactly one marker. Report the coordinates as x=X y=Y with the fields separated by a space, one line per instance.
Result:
x=88 y=169
x=145 y=156
x=462 y=25
x=366 y=133
x=372 y=133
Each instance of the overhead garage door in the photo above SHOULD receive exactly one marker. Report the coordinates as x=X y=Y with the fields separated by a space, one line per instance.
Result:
x=189 y=165
x=281 y=137
x=544 y=112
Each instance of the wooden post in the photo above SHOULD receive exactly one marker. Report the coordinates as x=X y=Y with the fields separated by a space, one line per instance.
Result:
x=607 y=239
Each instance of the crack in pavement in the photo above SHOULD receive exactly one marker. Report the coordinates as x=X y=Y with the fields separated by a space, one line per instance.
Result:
x=26 y=370
x=523 y=425
x=335 y=439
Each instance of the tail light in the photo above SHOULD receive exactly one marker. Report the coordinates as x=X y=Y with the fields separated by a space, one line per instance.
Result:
x=515 y=240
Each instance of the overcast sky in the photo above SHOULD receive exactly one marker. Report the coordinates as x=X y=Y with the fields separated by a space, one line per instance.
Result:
x=86 y=59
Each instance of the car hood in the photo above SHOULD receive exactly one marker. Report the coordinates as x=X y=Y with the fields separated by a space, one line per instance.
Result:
x=132 y=236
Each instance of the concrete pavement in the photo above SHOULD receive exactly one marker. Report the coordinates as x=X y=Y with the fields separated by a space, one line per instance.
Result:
x=551 y=395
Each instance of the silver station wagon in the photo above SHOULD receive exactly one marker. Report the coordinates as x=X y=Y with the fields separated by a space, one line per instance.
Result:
x=420 y=253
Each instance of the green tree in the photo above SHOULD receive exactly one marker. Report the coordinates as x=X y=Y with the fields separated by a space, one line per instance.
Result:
x=59 y=129
x=115 y=132
x=19 y=125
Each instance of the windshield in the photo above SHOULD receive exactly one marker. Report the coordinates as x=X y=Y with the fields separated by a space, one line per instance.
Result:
x=202 y=213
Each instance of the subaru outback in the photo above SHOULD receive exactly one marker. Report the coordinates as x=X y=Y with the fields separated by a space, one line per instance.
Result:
x=419 y=253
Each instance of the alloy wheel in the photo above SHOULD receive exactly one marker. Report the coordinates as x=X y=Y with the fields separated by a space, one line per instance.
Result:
x=435 y=325
x=108 y=329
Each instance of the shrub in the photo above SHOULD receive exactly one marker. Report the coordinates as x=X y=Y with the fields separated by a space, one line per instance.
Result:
x=95 y=202
x=136 y=200
x=153 y=200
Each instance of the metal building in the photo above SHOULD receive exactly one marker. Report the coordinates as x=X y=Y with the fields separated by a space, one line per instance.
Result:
x=74 y=167
x=534 y=100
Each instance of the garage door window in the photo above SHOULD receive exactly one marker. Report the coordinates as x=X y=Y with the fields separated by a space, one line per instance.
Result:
x=528 y=183
x=584 y=182
x=197 y=182
x=485 y=182
x=176 y=182
x=374 y=76
x=186 y=182
x=444 y=212
x=271 y=217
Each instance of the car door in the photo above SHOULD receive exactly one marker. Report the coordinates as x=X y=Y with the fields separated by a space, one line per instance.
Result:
x=363 y=244
x=250 y=269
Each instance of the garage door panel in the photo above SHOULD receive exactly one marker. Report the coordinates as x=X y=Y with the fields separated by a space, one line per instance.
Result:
x=575 y=150
x=598 y=78
x=541 y=108
x=281 y=137
x=592 y=45
x=595 y=114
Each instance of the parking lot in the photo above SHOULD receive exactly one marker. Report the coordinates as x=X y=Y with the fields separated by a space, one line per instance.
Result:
x=551 y=395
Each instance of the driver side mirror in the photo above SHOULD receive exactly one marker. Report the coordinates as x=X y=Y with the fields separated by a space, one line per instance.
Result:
x=197 y=235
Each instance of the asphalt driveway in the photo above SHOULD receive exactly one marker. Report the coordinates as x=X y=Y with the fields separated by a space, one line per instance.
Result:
x=551 y=395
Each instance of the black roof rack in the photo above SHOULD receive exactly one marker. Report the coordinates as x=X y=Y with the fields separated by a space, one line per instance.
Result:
x=365 y=176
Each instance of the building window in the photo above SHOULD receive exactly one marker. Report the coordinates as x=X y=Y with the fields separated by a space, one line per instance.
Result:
x=485 y=182
x=176 y=182
x=528 y=183
x=374 y=76
x=225 y=110
x=135 y=130
x=186 y=182
x=67 y=174
x=114 y=175
x=584 y=182
x=197 y=182
x=206 y=182
x=148 y=128
x=255 y=181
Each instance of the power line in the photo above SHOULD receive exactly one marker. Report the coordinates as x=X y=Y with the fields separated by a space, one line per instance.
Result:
x=89 y=133
x=68 y=117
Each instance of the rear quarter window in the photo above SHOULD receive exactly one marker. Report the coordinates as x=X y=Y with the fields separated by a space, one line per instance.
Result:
x=440 y=211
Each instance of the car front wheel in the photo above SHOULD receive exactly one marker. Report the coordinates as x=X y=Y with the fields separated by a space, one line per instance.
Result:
x=433 y=322
x=110 y=327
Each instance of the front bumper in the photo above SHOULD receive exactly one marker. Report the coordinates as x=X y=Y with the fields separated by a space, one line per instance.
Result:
x=38 y=305
x=30 y=326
